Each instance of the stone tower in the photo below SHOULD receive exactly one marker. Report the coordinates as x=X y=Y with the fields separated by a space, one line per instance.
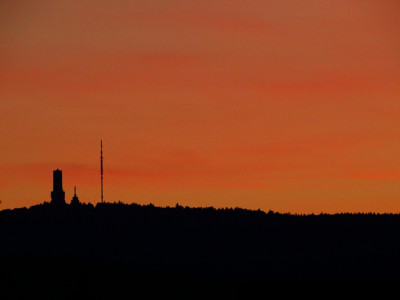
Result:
x=57 y=195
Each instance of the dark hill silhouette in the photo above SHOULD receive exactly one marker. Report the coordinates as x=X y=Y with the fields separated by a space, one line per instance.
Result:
x=86 y=245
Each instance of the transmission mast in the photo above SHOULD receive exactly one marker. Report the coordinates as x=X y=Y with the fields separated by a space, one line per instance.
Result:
x=101 y=169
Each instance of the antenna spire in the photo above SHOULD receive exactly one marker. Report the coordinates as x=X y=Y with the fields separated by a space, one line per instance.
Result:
x=101 y=169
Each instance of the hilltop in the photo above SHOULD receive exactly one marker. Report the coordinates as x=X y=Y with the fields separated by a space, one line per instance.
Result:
x=199 y=244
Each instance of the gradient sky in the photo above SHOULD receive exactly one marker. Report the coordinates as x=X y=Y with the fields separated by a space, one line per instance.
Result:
x=286 y=105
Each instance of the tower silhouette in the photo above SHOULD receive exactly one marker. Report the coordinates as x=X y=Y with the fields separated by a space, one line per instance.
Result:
x=57 y=195
x=75 y=199
x=101 y=169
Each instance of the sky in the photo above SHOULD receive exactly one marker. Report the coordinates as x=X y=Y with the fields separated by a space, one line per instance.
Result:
x=284 y=105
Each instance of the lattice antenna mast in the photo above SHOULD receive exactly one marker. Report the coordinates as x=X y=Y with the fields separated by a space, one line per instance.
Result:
x=101 y=169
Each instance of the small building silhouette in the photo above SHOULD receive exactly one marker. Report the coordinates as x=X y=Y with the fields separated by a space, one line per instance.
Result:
x=75 y=199
x=57 y=195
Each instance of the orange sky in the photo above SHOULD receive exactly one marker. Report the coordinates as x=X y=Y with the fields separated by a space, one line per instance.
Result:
x=286 y=105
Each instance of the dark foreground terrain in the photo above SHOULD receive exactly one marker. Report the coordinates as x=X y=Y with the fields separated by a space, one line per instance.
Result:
x=115 y=249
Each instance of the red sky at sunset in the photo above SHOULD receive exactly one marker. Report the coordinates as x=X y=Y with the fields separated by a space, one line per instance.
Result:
x=287 y=105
